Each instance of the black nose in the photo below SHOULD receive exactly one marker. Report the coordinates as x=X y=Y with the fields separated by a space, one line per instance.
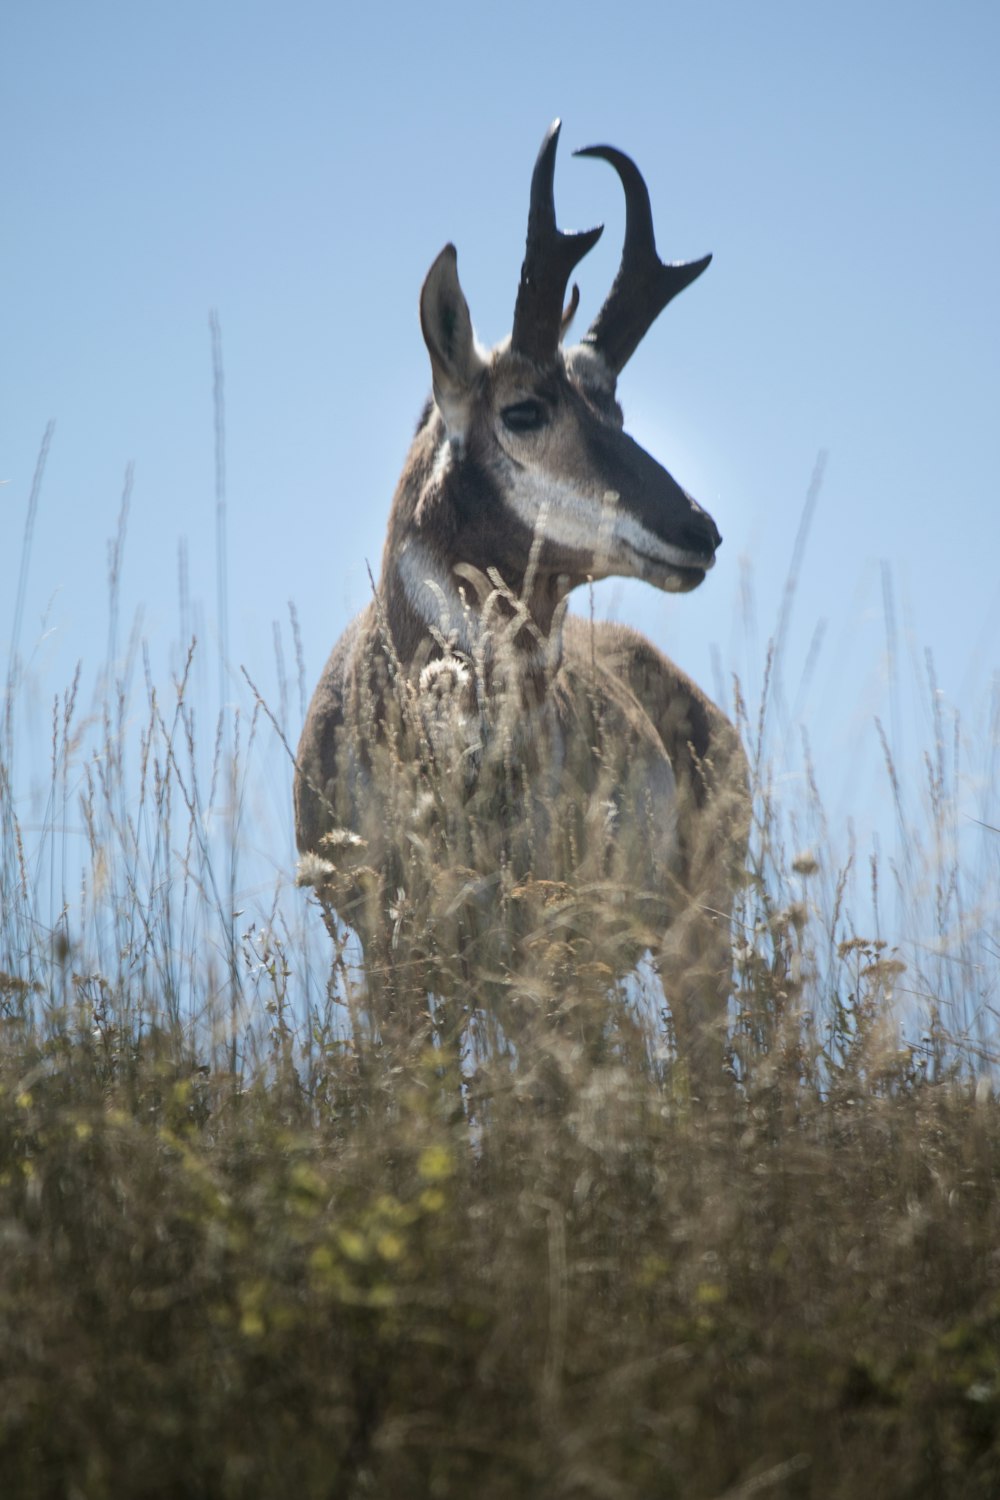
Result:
x=701 y=533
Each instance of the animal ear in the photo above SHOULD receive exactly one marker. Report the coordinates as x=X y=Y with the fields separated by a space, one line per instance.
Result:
x=456 y=363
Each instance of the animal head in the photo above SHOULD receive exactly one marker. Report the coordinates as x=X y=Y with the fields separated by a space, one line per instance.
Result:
x=533 y=429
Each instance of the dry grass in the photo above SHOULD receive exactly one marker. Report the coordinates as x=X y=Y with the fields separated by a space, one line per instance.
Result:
x=248 y=1252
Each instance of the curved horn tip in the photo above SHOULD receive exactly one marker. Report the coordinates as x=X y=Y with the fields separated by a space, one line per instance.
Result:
x=545 y=162
x=639 y=210
x=607 y=153
x=550 y=139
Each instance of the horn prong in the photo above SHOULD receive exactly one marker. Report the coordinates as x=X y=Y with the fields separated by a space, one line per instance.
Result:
x=644 y=284
x=549 y=260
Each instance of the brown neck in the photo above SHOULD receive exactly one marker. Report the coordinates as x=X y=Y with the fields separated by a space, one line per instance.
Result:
x=430 y=608
x=460 y=572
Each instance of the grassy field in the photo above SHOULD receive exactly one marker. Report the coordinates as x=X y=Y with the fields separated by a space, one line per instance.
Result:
x=247 y=1251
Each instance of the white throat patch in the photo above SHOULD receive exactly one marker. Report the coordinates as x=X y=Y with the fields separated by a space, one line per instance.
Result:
x=433 y=595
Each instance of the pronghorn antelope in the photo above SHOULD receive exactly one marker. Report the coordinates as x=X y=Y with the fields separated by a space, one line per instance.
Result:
x=481 y=777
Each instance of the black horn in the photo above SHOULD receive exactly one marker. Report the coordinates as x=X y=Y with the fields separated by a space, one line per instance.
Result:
x=644 y=284
x=549 y=259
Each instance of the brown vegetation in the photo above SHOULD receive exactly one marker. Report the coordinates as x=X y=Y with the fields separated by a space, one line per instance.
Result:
x=247 y=1251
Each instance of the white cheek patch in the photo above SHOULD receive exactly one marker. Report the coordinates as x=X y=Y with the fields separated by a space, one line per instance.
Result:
x=594 y=525
x=564 y=513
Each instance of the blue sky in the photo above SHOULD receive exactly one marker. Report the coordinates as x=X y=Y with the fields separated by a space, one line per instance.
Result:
x=298 y=167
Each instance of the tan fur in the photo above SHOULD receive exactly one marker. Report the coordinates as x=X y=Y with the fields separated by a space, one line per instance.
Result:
x=477 y=774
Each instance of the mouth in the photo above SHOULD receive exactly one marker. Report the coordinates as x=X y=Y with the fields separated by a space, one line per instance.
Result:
x=666 y=564
x=685 y=579
x=674 y=577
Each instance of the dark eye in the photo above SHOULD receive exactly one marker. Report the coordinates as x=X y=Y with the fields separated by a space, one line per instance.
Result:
x=525 y=416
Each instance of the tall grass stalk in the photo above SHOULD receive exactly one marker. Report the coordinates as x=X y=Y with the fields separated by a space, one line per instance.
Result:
x=249 y=1251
